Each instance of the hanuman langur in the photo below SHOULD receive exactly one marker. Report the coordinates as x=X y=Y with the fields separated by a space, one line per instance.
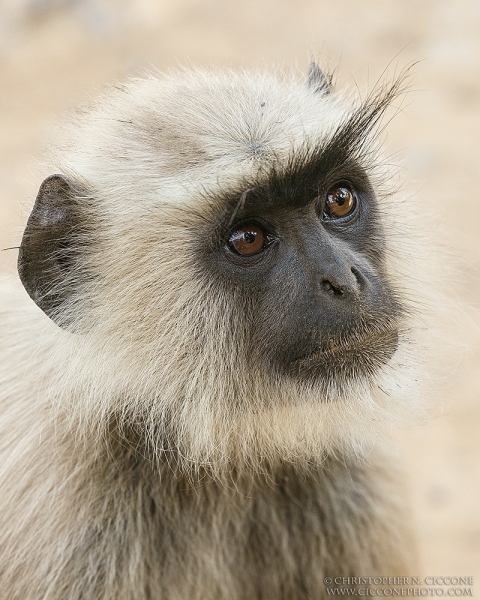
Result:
x=196 y=385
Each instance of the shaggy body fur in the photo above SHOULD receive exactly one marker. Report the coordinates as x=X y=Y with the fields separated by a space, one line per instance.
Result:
x=142 y=456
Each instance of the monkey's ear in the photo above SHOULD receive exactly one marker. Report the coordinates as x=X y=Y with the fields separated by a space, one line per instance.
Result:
x=48 y=256
x=317 y=80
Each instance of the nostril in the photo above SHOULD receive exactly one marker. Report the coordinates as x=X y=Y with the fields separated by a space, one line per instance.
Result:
x=358 y=277
x=328 y=287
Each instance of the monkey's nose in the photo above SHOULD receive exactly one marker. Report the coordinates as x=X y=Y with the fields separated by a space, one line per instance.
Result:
x=328 y=287
x=348 y=282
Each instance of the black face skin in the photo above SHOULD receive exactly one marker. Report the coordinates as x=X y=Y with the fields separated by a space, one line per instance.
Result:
x=315 y=299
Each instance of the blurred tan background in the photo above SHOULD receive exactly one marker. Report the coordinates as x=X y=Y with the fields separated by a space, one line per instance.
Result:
x=56 y=54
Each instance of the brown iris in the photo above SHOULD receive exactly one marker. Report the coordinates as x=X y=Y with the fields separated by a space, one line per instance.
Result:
x=248 y=239
x=340 y=202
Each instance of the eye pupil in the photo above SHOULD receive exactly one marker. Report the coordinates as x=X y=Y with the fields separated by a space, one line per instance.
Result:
x=341 y=197
x=249 y=237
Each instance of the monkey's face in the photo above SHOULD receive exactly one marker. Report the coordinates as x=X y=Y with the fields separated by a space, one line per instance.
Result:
x=301 y=255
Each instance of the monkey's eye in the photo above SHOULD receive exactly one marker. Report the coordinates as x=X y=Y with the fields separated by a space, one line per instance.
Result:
x=340 y=202
x=248 y=239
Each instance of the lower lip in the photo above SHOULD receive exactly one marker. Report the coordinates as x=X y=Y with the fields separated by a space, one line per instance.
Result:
x=381 y=345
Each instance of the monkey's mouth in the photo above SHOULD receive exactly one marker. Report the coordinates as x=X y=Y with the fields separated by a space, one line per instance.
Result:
x=352 y=356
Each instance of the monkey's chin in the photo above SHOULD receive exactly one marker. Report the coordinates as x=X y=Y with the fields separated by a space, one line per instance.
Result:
x=359 y=357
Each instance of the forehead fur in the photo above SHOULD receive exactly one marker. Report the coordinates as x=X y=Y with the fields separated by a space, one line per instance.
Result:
x=167 y=130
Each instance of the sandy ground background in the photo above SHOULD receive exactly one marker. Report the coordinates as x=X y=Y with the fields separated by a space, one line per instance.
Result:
x=57 y=54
